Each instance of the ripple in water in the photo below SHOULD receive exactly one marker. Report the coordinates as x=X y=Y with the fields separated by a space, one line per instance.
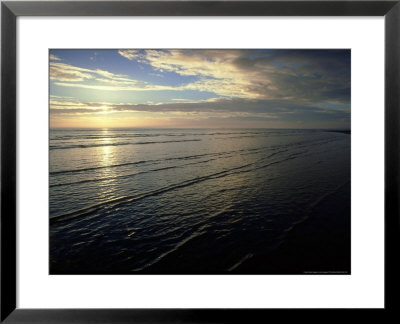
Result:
x=199 y=201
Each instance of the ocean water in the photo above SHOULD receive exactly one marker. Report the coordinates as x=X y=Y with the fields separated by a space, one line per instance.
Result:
x=199 y=201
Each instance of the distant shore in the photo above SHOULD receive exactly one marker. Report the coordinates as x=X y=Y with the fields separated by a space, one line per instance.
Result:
x=340 y=131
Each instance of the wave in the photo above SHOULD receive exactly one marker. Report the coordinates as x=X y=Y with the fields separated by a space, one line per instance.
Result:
x=126 y=175
x=185 y=157
x=240 y=262
x=128 y=199
x=100 y=167
x=219 y=155
x=259 y=164
x=118 y=144
x=108 y=136
x=201 y=229
x=157 y=161
x=139 y=135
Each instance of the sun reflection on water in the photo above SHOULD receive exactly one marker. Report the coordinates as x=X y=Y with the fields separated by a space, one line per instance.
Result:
x=106 y=152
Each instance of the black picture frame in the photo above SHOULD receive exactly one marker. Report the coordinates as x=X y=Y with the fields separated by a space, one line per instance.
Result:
x=10 y=10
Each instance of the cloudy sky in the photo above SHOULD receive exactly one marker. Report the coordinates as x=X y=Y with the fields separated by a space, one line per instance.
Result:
x=200 y=88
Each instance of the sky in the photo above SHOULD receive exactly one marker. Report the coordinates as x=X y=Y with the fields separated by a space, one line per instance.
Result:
x=200 y=88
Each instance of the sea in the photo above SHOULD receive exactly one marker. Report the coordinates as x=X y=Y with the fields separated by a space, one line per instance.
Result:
x=199 y=201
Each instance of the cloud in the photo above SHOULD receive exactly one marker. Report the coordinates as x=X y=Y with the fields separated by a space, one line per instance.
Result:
x=66 y=72
x=215 y=107
x=130 y=54
x=68 y=75
x=71 y=105
x=261 y=88
x=302 y=75
x=114 y=85
x=54 y=58
x=305 y=75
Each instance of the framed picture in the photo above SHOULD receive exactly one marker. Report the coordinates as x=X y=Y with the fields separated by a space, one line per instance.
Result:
x=190 y=161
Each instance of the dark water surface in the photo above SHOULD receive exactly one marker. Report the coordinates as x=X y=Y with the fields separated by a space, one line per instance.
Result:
x=199 y=201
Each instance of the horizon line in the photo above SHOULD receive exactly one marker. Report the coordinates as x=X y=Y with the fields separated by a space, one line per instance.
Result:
x=327 y=128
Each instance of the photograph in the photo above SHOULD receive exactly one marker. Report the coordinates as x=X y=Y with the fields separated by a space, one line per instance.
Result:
x=200 y=161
